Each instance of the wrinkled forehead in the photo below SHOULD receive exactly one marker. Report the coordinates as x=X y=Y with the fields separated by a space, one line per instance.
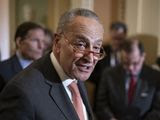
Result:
x=33 y=31
x=87 y=27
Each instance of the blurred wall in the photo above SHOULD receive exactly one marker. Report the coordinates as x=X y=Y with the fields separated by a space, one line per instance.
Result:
x=31 y=10
x=55 y=9
x=104 y=11
x=142 y=17
x=109 y=11
x=4 y=29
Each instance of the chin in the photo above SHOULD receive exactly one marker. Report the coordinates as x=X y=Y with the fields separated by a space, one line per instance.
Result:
x=82 y=77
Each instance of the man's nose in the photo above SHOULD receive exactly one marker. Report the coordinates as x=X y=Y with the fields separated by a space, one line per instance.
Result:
x=41 y=44
x=89 y=55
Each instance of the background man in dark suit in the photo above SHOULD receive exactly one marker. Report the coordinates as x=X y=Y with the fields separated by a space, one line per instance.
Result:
x=29 y=40
x=118 y=32
x=129 y=91
x=49 y=88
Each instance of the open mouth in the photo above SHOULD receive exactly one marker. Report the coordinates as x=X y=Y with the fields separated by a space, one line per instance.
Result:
x=84 y=68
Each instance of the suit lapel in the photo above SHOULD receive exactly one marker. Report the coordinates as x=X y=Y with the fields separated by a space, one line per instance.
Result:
x=85 y=99
x=16 y=64
x=57 y=91
x=139 y=87
x=142 y=86
x=120 y=80
x=63 y=102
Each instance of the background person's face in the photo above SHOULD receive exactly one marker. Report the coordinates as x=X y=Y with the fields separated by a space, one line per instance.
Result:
x=84 y=32
x=33 y=45
x=133 y=61
x=117 y=38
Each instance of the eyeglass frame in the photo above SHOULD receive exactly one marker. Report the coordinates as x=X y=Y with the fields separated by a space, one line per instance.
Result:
x=76 y=50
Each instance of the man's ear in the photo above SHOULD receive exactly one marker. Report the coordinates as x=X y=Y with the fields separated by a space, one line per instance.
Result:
x=57 y=44
x=143 y=56
x=18 y=42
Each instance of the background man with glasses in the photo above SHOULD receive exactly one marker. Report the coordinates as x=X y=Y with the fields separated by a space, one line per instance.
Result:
x=52 y=87
x=129 y=91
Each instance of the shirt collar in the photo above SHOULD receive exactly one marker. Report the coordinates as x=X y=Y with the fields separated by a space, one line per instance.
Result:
x=129 y=74
x=24 y=62
x=66 y=80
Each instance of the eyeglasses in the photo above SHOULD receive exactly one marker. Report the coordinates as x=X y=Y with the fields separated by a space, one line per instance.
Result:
x=80 y=49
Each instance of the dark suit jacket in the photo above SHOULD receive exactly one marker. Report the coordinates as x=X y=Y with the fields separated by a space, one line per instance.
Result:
x=8 y=69
x=112 y=99
x=37 y=93
x=98 y=70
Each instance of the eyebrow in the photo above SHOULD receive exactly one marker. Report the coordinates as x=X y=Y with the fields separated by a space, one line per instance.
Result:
x=81 y=37
x=86 y=39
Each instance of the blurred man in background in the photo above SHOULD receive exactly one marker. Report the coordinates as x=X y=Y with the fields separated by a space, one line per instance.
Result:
x=29 y=40
x=118 y=32
x=129 y=91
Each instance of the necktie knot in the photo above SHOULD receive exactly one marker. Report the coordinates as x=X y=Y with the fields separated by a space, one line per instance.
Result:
x=74 y=89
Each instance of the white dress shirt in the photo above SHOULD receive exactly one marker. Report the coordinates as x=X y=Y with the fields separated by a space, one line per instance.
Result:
x=66 y=81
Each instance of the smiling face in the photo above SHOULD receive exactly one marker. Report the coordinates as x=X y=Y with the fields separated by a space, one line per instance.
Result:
x=85 y=33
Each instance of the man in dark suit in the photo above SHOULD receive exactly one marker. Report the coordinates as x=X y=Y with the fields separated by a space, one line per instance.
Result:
x=129 y=91
x=29 y=40
x=118 y=32
x=52 y=87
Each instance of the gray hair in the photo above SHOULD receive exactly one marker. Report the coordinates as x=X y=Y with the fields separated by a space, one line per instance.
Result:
x=68 y=16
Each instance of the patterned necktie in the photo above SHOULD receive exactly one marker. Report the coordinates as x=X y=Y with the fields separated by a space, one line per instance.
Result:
x=131 y=89
x=76 y=98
